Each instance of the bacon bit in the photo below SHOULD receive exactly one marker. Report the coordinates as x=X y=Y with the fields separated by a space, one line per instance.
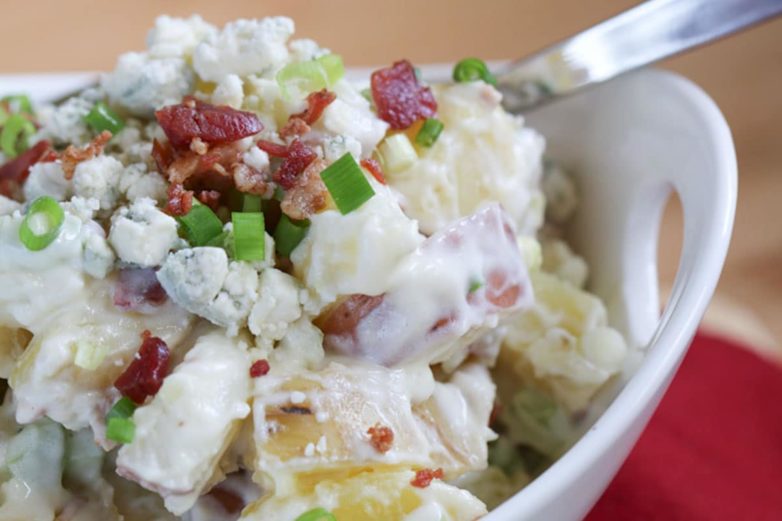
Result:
x=308 y=196
x=144 y=376
x=399 y=98
x=198 y=146
x=259 y=368
x=137 y=289
x=163 y=154
x=211 y=124
x=211 y=198
x=381 y=437
x=344 y=317
x=374 y=169
x=180 y=201
x=423 y=478
x=272 y=148
x=73 y=155
x=316 y=104
x=14 y=172
x=299 y=156
x=294 y=127
x=190 y=168
x=249 y=180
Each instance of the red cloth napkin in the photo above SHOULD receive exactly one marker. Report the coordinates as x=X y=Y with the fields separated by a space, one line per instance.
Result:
x=713 y=450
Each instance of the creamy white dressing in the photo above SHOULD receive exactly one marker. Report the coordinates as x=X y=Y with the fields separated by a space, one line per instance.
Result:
x=182 y=433
x=437 y=301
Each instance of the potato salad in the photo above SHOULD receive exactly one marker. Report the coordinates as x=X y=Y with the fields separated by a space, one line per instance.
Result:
x=235 y=284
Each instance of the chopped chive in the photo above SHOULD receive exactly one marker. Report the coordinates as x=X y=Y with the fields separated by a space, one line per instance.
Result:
x=310 y=76
x=475 y=285
x=317 y=514
x=90 y=355
x=346 y=183
x=201 y=224
x=333 y=67
x=121 y=430
x=101 y=118
x=249 y=236
x=279 y=193
x=119 y=425
x=289 y=234
x=251 y=203
x=473 y=69
x=42 y=224
x=429 y=132
x=13 y=138
x=124 y=408
x=397 y=153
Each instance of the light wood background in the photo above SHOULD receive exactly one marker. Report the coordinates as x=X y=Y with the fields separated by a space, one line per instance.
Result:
x=743 y=74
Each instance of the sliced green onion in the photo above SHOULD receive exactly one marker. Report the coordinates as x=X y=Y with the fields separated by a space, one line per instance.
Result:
x=473 y=69
x=333 y=67
x=397 y=153
x=317 y=514
x=429 y=132
x=279 y=193
x=289 y=234
x=3 y=115
x=249 y=236
x=201 y=224
x=89 y=355
x=121 y=430
x=475 y=285
x=119 y=425
x=42 y=223
x=13 y=138
x=101 y=118
x=18 y=103
x=346 y=183
x=310 y=76
x=123 y=409
x=251 y=203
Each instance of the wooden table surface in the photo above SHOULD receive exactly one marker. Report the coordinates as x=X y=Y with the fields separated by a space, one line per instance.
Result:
x=743 y=74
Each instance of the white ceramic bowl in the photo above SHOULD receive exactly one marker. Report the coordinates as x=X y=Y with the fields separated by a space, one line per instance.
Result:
x=629 y=143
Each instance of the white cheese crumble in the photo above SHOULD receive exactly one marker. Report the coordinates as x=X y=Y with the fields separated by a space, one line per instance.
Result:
x=47 y=179
x=244 y=47
x=142 y=234
x=203 y=281
x=99 y=178
x=276 y=308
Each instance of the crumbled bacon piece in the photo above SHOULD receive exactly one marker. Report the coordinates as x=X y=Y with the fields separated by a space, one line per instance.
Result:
x=423 y=478
x=14 y=172
x=399 y=98
x=73 y=155
x=381 y=437
x=180 y=201
x=308 y=196
x=374 y=169
x=211 y=124
x=163 y=155
x=316 y=104
x=344 y=317
x=137 y=289
x=144 y=376
x=208 y=171
x=272 y=148
x=294 y=127
x=298 y=158
x=249 y=180
x=259 y=368
x=211 y=198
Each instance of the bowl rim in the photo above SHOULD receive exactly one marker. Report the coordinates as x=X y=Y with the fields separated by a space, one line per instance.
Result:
x=675 y=328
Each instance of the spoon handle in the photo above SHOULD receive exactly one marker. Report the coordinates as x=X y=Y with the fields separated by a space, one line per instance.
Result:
x=639 y=36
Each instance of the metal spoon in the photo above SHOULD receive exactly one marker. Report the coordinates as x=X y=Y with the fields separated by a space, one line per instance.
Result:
x=639 y=36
